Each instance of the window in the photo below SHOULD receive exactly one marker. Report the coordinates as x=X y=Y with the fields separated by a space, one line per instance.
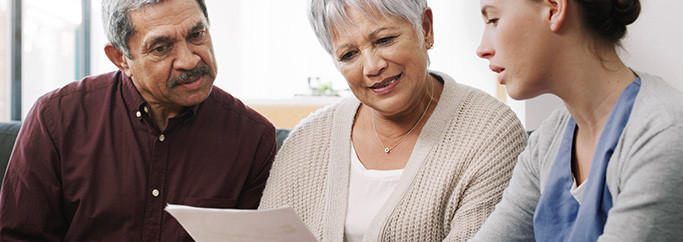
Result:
x=50 y=35
x=5 y=57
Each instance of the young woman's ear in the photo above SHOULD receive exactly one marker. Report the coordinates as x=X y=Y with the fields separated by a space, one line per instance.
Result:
x=555 y=13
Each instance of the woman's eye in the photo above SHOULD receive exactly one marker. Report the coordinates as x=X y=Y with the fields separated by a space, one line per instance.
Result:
x=347 y=56
x=386 y=40
x=493 y=21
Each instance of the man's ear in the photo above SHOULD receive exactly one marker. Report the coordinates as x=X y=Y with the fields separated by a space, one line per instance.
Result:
x=555 y=13
x=116 y=56
x=428 y=27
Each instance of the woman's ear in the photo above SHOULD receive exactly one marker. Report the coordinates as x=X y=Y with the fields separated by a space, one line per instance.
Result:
x=555 y=13
x=427 y=27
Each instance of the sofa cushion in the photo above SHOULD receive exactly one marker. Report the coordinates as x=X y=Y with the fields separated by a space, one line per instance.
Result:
x=8 y=134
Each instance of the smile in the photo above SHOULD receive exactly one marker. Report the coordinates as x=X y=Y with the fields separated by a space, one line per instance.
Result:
x=386 y=83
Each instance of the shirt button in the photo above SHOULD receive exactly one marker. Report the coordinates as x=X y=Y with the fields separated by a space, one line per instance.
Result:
x=162 y=138
x=155 y=193
x=138 y=114
x=146 y=109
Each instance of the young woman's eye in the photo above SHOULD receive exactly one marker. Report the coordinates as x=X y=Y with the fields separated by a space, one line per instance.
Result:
x=493 y=21
x=347 y=56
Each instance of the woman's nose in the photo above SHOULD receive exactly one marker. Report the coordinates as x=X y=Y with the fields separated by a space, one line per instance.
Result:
x=485 y=49
x=374 y=64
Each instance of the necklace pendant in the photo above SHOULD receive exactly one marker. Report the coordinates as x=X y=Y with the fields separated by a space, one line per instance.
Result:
x=386 y=150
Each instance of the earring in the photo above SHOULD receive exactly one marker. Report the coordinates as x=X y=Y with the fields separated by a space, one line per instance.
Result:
x=431 y=45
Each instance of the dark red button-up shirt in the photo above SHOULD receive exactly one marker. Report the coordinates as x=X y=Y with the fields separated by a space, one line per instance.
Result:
x=90 y=164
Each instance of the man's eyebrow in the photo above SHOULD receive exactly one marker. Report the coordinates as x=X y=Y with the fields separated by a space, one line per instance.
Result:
x=199 y=26
x=156 y=40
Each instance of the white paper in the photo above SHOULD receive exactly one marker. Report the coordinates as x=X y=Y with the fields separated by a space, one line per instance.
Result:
x=210 y=224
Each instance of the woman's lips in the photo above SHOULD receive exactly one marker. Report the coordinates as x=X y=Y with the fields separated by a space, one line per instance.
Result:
x=387 y=85
x=499 y=70
x=500 y=77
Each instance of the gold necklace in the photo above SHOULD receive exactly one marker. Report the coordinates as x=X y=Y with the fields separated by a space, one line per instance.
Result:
x=386 y=150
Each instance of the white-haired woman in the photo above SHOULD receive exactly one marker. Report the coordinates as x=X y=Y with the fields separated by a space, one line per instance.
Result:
x=414 y=156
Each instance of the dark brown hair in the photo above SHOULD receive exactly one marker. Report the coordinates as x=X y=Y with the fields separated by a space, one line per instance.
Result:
x=606 y=20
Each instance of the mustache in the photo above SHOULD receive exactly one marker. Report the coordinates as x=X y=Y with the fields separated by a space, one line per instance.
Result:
x=185 y=76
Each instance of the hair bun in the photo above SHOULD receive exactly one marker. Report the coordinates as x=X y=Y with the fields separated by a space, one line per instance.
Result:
x=607 y=19
x=626 y=11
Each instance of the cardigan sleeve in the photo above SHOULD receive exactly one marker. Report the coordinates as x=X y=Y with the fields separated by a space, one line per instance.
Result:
x=648 y=206
x=491 y=171
x=512 y=219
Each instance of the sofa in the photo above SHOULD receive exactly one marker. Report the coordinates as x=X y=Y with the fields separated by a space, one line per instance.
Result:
x=9 y=130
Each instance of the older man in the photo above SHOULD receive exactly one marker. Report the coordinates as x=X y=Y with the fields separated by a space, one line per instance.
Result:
x=100 y=158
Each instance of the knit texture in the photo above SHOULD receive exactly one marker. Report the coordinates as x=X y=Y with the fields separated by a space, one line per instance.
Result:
x=461 y=163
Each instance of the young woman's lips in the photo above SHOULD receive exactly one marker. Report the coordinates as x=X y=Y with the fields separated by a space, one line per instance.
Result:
x=499 y=70
x=387 y=85
x=500 y=77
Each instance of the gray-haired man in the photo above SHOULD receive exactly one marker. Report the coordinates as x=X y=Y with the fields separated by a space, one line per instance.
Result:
x=100 y=158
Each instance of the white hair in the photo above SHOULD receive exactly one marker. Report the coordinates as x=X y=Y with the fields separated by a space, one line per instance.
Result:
x=329 y=16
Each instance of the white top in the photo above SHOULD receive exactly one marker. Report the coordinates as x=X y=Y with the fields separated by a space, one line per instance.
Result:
x=368 y=192
x=577 y=191
x=456 y=174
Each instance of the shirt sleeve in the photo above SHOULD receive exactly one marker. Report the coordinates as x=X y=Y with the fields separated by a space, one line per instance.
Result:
x=648 y=206
x=250 y=196
x=512 y=219
x=493 y=167
x=30 y=200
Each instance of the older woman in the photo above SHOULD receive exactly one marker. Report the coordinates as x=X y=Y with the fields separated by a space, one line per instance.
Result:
x=414 y=156
x=607 y=165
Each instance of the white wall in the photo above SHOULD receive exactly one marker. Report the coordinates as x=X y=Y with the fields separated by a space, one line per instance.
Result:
x=266 y=49
x=655 y=41
x=654 y=44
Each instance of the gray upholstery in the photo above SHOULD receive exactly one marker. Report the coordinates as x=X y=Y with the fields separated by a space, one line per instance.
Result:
x=281 y=135
x=8 y=134
x=9 y=130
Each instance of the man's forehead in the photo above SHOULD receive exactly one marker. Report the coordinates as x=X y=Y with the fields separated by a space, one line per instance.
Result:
x=165 y=20
x=167 y=12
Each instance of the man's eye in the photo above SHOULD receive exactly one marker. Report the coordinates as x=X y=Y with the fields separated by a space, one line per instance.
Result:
x=160 y=49
x=197 y=35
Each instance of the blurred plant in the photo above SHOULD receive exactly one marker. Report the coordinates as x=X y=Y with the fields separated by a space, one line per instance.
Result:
x=321 y=88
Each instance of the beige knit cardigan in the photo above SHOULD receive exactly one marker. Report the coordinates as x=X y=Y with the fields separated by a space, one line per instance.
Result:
x=455 y=176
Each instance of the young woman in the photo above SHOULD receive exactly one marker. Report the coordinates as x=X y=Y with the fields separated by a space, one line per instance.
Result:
x=604 y=166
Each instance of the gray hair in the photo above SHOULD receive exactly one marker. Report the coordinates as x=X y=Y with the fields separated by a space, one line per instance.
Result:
x=328 y=16
x=117 y=23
